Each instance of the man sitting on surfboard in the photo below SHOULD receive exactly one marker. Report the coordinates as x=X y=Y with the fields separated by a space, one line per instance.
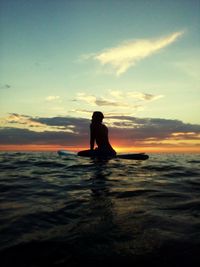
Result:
x=98 y=134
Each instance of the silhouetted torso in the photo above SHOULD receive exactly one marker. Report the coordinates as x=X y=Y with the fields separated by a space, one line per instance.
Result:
x=99 y=133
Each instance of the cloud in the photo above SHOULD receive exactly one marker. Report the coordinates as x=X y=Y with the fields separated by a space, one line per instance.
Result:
x=83 y=111
x=136 y=132
x=127 y=54
x=54 y=131
x=90 y=99
x=77 y=123
x=5 y=86
x=135 y=95
x=98 y=101
x=14 y=118
x=105 y=102
x=15 y=136
x=37 y=124
x=115 y=101
x=143 y=96
x=124 y=130
x=116 y=93
x=52 y=98
x=119 y=99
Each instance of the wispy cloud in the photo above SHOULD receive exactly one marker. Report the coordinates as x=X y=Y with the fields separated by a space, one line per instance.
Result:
x=98 y=101
x=90 y=99
x=127 y=102
x=107 y=102
x=52 y=98
x=144 y=96
x=134 y=95
x=127 y=54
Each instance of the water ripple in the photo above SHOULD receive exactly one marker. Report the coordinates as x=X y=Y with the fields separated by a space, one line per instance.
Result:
x=75 y=210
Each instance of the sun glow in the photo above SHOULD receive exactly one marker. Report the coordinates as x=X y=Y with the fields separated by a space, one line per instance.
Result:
x=38 y=148
x=158 y=149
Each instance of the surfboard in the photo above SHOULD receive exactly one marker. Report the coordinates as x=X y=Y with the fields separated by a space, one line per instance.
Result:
x=130 y=156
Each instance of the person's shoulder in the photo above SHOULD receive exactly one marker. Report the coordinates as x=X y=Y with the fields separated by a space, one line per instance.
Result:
x=104 y=126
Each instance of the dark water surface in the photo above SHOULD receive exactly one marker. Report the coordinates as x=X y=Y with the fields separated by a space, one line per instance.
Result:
x=80 y=212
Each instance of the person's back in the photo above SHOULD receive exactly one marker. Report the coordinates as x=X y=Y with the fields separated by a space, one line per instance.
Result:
x=99 y=133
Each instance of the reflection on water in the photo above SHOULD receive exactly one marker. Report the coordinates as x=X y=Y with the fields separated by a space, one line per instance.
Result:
x=118 y=212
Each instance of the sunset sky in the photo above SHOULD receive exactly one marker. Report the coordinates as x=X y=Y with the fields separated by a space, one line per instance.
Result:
x=137 y=61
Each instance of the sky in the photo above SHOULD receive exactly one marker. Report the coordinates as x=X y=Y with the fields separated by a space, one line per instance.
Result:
x=137 y=61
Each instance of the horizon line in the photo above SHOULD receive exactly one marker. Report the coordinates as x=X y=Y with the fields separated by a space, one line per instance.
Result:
x=119 y=149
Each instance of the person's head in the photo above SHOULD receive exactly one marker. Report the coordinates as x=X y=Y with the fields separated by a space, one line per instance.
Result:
x=97 y=117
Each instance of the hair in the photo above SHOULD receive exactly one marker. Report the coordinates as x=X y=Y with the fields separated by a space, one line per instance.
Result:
x=97 y=117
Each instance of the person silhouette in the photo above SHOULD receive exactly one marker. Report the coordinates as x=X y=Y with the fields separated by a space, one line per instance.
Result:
x=98 y=134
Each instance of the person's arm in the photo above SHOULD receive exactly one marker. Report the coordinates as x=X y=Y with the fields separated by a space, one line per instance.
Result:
x=92 y=138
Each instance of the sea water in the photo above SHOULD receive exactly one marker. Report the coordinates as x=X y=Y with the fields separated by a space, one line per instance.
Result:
x=74 y=211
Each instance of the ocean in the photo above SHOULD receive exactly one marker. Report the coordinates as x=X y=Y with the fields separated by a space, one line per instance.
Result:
x=57 y=211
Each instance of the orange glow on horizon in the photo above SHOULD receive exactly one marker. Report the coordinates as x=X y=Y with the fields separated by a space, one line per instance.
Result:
x=119 y=149
x=37 y=148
